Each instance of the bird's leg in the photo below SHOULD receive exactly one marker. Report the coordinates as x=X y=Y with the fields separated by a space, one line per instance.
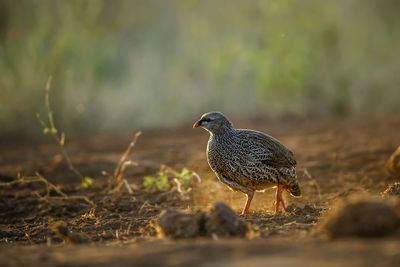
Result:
x=247 y=206
x=279 y=198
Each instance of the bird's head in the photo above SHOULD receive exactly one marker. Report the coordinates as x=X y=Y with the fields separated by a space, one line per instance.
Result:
x=214 y=122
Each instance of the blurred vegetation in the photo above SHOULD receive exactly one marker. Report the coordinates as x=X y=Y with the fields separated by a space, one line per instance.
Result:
x=168 y=179
x=128 y=64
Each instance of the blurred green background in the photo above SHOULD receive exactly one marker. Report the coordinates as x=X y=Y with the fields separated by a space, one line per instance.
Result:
x=120 y=65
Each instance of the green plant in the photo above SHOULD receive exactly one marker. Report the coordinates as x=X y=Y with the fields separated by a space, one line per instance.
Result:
x=49 y=128
x=160 y=182
x=168 y=179
x=184 y=177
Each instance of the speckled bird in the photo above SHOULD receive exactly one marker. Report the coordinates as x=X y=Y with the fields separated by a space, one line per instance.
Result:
x=248 y=160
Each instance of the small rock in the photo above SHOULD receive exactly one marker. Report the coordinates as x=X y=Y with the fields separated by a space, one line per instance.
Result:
x=62 y=231
x=393 y=164
x=221 y=221
x=363 y=219
x=179 y=225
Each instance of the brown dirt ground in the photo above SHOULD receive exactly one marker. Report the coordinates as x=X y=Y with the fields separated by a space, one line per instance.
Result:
x=341 y=157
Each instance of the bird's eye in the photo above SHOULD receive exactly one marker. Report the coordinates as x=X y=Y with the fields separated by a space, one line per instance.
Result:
x=206 y=119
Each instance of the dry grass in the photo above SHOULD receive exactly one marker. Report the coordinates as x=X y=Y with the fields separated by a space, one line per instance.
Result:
x=49 y=186
x=116 y=181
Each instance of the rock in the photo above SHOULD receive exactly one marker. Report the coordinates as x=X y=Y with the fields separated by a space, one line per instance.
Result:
x=179 y=225
x=223 y=221
x=362 y=218
x=393 y=164
x=62 y=231
x=220 y=221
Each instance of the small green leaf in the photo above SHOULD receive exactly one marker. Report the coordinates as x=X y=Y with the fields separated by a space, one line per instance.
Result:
x=149 y=181
x=184 y=177
x=185 y=172
x=53 y=130
x=162 y=182
x=87 y=182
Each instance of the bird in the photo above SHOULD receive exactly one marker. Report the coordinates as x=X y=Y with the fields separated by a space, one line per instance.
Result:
x=248 y=160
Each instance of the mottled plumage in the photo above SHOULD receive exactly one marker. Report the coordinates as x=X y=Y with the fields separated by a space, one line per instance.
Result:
x=248 y=160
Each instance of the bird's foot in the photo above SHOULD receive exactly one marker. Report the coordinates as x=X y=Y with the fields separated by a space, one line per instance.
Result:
x=280 y=211
x=244 y=213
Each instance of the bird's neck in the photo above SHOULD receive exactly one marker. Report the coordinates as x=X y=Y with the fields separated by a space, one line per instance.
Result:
x=223 y=131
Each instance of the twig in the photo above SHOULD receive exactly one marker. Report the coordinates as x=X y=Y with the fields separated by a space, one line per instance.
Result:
x=144 y=204
x=109 y=179
x=118 y=170
x=128 y=229
x=49 y=186
x=116 y=180
x=22 y=180
x=195 y=174
x=128 y=186
x=29 y=238
x=179 y=187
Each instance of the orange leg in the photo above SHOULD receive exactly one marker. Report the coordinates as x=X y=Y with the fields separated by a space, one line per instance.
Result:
x=247 y=206
x=279 y=198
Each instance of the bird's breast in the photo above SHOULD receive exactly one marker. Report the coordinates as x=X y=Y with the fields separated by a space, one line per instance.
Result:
x=222 y=157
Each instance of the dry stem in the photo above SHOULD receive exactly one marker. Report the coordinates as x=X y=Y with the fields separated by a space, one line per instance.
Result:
x=117 y=178
x=49 y=186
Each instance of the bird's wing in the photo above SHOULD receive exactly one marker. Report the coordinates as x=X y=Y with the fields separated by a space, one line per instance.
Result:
x=266 y=149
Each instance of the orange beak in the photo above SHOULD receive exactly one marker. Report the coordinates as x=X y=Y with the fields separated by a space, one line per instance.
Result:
x=196 y=125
